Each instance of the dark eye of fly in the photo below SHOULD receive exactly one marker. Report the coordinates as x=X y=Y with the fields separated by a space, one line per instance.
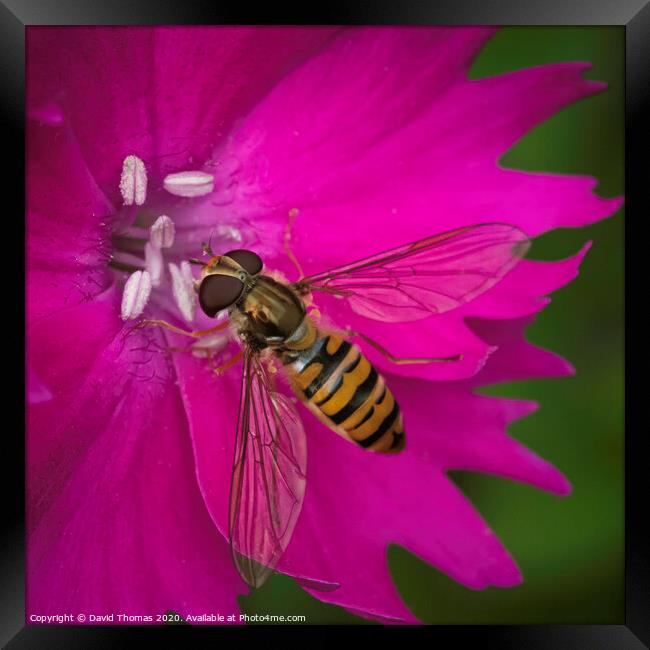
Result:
x=250 y=261
x=218 y=292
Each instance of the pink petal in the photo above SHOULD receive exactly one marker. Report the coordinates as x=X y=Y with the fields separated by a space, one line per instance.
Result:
x=87 y=328
x=516 y=359
x=116 y=521
x=67 y=216
x=345 y=156
x=37 y=391
x=165 y=94
x=467 y=431
x=211 y=403
x=345 y=102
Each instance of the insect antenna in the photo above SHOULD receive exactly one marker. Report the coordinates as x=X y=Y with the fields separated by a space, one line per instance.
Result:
x=207 y=248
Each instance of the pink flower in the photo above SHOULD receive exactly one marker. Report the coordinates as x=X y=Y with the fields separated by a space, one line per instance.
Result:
x=377 y=138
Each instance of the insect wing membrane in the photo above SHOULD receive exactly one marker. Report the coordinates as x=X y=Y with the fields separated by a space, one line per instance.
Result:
x=268 y=482
x=430 y=276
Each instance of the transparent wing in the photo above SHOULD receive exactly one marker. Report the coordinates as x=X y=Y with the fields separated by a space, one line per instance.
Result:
x=268 y=479
x=430 y=276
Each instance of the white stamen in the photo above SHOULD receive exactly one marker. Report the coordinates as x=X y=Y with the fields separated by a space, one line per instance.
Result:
x=183 y=289
x=191 y=183
x=133 y=183
x=136 y=294
x=154 y=263
x=186 y=270
x=162 y=232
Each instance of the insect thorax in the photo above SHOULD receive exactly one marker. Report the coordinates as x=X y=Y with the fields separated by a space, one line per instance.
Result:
x=268 y=314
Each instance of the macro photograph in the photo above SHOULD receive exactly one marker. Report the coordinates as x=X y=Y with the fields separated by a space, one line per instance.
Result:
x=324 y=325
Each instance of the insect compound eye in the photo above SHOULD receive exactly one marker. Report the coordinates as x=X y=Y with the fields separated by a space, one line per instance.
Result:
x=218 y=292
x=248 y=260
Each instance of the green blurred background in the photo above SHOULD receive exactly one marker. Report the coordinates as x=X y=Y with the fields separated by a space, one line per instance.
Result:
x=570 y=549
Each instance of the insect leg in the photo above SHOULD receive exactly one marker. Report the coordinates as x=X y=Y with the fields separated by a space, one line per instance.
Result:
x=192 y=347
x=177 y=349
x=402 y=360
x=293 y=213
x=219 y=370
x=197 y=334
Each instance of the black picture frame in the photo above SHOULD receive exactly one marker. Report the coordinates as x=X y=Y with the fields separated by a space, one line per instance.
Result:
x=16 y=15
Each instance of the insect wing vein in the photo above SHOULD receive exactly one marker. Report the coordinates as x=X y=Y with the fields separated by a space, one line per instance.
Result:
x=430 y=276
x=268 y=480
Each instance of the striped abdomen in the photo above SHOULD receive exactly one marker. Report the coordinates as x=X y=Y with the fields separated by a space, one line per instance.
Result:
x=341 y=387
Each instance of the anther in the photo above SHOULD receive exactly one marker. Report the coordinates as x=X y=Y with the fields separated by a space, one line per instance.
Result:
x=162 y=232
x=136 y=295
x=133 y=184
x=189 y=184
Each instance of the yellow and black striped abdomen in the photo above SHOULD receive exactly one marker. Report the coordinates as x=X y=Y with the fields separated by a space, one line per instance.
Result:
x=340 y=385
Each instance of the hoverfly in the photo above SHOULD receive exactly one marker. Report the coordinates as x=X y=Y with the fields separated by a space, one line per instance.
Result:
x=330 y=375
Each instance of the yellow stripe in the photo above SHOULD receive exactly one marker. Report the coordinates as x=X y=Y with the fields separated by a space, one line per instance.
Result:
x=308 y=375
x=362 y=411
x=333 y=344
x=325 y=390
x=384 y=443
x=351 y=381
x=372 y=424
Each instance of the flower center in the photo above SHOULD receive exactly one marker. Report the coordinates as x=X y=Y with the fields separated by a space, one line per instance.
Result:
x=131 y=243
x=143 y=241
